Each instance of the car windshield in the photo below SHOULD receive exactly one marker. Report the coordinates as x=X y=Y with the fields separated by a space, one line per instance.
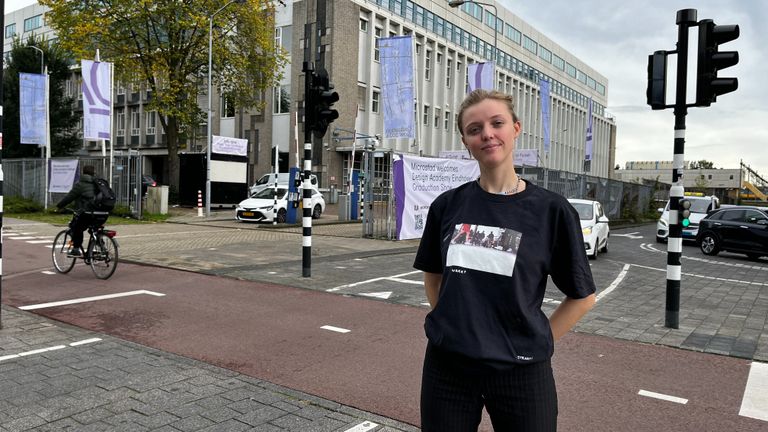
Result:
x=584 y=210
x=262 y=180
x=700 y=206
x=269 y=193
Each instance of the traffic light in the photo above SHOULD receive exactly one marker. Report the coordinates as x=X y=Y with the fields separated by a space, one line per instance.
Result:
x=320 y=101
x=657 y=80
x=708 y=84
x=685 y=212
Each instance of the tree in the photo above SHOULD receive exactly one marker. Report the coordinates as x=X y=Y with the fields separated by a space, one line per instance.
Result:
x=63 y=121
x=702 y=164
x=163 y=44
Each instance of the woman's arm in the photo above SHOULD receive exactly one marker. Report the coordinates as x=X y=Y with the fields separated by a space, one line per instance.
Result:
x=567 y=314
x=432 y=287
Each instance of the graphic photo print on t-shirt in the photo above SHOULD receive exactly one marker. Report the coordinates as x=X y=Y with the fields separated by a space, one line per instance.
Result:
x=484 y=248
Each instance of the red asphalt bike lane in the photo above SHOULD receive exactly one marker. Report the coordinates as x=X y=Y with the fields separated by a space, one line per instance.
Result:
x=273 y=333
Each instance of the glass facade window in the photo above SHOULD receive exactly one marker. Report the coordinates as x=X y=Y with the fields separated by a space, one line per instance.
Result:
x=426 y=115
x=513 y=34
x=33 y=23
x=570 y=70
x=448 y=72
x=558 y=62
x=376 y=36
x=363 y=25
x=150 y=122
x=10 y=31
x=428 y=65
x=281 y=102
x=530 y=44
x=545 y=54
x=375 y=101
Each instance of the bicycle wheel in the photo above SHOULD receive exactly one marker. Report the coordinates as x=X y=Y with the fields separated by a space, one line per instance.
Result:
x=103 y=251
x=62 y=262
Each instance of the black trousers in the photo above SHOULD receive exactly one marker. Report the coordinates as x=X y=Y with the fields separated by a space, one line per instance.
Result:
x=78 y=224
x=454 y=390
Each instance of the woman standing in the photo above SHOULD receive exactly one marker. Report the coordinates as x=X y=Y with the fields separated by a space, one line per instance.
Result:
x=490 y=344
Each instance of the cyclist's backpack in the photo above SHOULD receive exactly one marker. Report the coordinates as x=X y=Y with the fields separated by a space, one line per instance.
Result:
x=104 y=197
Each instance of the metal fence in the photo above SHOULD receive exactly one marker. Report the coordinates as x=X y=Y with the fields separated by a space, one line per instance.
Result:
x=26 y=178
x=621 y=200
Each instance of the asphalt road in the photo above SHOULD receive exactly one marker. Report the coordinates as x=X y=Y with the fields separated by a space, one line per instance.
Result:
x=273 y=331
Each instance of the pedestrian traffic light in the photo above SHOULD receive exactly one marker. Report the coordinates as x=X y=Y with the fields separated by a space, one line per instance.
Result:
x=321 y=100
x=657 y=80
x=685 y=212
x=711 y=60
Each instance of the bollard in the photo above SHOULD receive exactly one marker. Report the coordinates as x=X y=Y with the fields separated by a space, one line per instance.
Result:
x=199 y=203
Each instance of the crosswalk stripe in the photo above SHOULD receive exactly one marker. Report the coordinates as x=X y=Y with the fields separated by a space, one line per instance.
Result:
x=754 y=404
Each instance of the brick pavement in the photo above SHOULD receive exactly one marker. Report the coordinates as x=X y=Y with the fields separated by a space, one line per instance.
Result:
x=113 y=385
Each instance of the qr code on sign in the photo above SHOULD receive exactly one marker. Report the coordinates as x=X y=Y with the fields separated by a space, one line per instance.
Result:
x=419 y=222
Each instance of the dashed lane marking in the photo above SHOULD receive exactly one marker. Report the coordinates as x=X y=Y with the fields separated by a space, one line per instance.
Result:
x=335 y=329
x=382 y=295
x=53 y=348
x=662 y=396
x=362 y=427
x=89 y=299
x=39 y=241
x=48 y=272
x=754 y=404
x=393 y=278
x=706 y=277
x=633 y=235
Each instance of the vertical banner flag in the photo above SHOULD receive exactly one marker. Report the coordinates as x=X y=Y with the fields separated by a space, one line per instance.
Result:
x=588 y=146
x=396 y=55
x=480 y=76
x=544 y=86
x=32 y=104
x=97 y=100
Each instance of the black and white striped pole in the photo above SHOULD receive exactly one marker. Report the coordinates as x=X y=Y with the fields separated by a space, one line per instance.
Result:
x=310 y=120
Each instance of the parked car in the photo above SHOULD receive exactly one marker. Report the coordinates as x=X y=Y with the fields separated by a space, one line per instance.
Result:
x=594 y=226
x=268 y=181
x=741 y=229
x=260 y=206
x=700 y=206
x=146 y=182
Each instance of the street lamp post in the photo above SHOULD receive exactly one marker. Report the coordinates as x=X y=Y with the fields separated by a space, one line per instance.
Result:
x=210 y=115
x=42 y=58
x=457 y=3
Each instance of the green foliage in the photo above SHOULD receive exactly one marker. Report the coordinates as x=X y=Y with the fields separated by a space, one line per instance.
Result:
x=63 y=121
x=163 y=44
x=702 y=164
x=17 y=204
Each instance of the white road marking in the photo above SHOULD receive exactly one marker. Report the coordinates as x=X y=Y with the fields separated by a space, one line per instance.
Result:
x=407 y=281
x=705 y=277
x=425 y=304
x=177 y=233
x=362 y=427
x=754 y=404
x=662 y=396
x=649 y=247
x=629 y=235
x=89 y=299
x=382 y=295
x=39 y=241
x=552 y=301
x=53 y=348
x=614 y=284
x=48 y=272
x=395 y=277
x=23 y=238
x=335 y=329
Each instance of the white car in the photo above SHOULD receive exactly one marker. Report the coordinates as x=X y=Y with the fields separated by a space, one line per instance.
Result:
x=594 y=226
x=260 y=206
x=700 y=206
x=267 y=181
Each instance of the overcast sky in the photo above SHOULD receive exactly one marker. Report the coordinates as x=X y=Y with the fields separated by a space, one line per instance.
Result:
x=615 y=38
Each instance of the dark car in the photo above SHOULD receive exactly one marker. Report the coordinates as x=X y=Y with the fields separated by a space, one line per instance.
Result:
x=735 y=229
x=147 y=181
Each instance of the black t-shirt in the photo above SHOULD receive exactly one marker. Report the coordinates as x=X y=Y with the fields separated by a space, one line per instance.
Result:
x=495 y=253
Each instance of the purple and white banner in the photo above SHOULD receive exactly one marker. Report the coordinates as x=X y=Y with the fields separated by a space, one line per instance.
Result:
x=454 y=154
x=418 y=181
x=545 y=121
x=63 y=175
x=397 y=88
x=32 y=104
x=588 y=145
x=229 y=146
x=527 y=157
x=97 y=100
x=480 y=76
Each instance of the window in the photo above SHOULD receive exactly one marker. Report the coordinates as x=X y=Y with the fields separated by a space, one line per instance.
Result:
x=753 y=216
x=437 y=117
x=281 y=102
x=363 y=25
x=601 y=90
x=120 y=88
x=530 y=44
x=581 y=76
x=376 y=37
x=426 y=115
x=428 y=65
x=150 y=121
x=448 y=72
x=570 y=70
x=10 y=30
x=591 y=83
x=545 y=54
x=120 y=115
x=558 y=62
x=135 y=122
x=33 y=23
x=375 y=101
x=512 y=34
x=447 y=120
x=361 y=99
x=283 y=37
x=439 y=58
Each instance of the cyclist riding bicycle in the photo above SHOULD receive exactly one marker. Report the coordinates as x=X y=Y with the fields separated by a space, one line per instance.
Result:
x=82 y=194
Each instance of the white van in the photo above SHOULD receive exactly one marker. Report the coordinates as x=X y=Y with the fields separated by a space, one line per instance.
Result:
x=268 y=181
x=700 y=206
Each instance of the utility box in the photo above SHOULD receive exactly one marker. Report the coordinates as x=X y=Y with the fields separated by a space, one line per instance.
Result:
x=343 y=207
x=157 y=200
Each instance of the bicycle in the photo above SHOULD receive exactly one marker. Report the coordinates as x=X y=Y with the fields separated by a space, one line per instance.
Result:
x=101 y=253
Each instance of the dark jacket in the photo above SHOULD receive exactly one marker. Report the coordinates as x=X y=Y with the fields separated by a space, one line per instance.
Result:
x=82 y=194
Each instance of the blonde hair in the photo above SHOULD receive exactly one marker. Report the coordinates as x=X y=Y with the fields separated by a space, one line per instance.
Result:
x=479 y=95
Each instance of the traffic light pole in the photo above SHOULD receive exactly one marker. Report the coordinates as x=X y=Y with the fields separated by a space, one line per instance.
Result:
x=686 y=18
x=306 y=219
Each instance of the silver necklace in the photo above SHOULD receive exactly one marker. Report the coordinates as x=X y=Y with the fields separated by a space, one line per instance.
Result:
x=507 y=192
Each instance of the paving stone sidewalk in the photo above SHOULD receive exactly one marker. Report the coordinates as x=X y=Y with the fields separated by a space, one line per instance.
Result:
x=54 y=376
